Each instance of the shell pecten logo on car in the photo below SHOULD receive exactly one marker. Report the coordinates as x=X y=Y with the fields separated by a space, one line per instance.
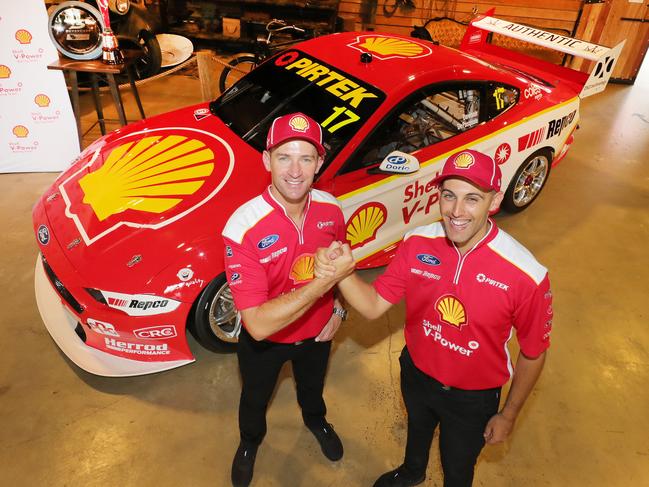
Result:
x=364 y=223
x=387 y=47
x=302 y=269
x=148 y=180
x=451 y=311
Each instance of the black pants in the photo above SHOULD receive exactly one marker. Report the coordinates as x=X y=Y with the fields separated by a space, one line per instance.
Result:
x=461 y=414
x=260 y=363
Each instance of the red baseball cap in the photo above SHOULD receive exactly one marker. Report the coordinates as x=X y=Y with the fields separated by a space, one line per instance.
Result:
x=474 y=166
x=295 y=126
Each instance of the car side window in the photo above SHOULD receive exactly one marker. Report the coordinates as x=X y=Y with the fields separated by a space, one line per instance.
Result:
x=425 y=118
x=500 y=98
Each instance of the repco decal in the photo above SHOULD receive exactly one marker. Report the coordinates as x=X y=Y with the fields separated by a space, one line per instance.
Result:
x=147 y=179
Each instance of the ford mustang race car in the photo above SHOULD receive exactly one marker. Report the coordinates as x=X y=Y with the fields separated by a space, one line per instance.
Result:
x=130 y=234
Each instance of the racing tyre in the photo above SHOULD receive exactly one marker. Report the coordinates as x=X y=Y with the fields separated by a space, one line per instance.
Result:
x=528 y=182
x=217 y=321
x=150 y=62
x=237 y=68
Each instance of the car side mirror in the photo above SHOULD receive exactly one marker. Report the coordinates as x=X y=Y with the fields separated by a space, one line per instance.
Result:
x=397 y=162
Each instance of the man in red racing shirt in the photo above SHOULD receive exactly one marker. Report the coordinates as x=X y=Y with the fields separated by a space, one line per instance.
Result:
x=467 y=286
x=270 y=243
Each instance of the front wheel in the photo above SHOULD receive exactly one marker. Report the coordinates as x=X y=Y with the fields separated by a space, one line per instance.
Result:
x=528 y=182
x=150 y=62
x=236 y=69
x=217 y=322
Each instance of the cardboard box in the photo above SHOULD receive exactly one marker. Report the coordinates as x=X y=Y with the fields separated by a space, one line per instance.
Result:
x=231 y=27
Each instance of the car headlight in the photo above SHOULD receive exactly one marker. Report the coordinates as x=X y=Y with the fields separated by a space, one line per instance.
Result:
x=135 y=304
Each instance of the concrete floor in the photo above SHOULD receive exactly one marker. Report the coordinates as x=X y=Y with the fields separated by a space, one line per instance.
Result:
x=586 y=423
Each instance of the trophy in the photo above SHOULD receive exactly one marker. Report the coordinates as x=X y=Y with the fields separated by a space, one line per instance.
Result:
x=110 y=53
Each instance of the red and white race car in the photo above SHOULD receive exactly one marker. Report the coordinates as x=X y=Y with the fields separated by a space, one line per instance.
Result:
x=130 y=234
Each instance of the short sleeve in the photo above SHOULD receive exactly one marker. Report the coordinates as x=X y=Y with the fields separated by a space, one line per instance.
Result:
x=533 y=320
x=246 y=276
x=391 y=285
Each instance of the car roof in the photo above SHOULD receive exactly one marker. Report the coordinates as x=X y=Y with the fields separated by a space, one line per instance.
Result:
x=398 y=60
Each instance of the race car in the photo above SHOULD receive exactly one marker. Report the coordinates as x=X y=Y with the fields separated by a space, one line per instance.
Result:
x=130 y=234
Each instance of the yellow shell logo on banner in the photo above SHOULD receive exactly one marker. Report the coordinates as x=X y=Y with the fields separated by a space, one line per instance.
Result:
x=464 y=161
x=20 y=131
x=42 y=100
x=23 y=36
x=451 y=311
x=5 y=72
x=152 y=174
x=302 y=269
x=388 y=45
x=364 y=223
x=299 y=124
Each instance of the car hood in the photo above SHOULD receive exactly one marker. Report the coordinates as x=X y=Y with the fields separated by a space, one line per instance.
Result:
x=137 y=199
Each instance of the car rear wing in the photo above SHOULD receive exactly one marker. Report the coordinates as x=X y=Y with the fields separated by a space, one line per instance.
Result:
x=475 y=39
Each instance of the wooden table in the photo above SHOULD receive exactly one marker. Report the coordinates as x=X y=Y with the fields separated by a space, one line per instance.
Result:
x=71 y=67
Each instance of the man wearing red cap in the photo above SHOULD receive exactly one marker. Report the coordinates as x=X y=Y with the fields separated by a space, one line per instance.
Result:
x=270 y=243
x=467 y=285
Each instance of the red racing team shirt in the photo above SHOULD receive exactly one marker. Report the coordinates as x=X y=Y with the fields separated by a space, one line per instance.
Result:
x=461 y=310
x=267 y=255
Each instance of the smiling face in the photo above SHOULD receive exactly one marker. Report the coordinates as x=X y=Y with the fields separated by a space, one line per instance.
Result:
x=465 y=211
x=292 y=165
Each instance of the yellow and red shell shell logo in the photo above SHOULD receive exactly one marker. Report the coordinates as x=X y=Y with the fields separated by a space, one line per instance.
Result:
x=364 y=223
x=464 y=160
x=42 y=100
x=23 y=36
x=20 y=131
x=451 y=311
x=147 y=179
x=5 y=72
x=388 y=47
x=299 y=123
x=302 y=269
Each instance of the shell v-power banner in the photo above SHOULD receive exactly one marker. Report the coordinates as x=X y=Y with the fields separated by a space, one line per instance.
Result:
x=37 y=127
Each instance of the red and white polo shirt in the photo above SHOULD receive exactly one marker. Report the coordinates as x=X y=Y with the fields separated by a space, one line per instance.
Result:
x=461 y=310
x=267 y=255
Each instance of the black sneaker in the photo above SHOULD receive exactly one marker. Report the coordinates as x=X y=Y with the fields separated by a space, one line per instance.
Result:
x=398 y=478
x=330 y=444
x=243 y=465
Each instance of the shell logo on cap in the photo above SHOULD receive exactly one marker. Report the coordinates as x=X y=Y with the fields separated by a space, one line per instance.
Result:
x=42 y=100
x=20 y=131
x=299 y=124
x=451 y=311
x=387 y=47
x=464 y=160
x=5 y=72
x=364 y=223
x=23 y=36
x=146 y=180
x=143 y=176
x=302 y=269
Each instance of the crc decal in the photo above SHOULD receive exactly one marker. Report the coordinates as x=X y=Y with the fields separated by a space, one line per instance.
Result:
x=185 y=274
x=530 y=140
x=43 y=234
x=147 y=179
x=346 y=102
x=419 y=198
x=387 y=47
x=201 y=113
x=451 y=311
x=302 y=268
x=364 y=223
x=156 y=332
x=140 y=304
x=267 y=241
x=503 y=152
x=136 y=348
x=555 y=127
x=428 y=259
x=102 y=327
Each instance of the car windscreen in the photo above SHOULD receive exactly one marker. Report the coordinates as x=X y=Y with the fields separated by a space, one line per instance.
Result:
x=293 y=81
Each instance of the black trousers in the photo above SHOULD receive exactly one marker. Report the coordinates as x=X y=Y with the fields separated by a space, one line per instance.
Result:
x=260 y=363
x=462 y=416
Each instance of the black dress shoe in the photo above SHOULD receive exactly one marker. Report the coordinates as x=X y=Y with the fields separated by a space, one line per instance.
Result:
x=243 y=465
x=398 y=478
x=330 y=444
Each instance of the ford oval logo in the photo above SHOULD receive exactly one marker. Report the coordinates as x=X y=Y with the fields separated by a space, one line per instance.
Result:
x=397 y=160
x=428 y=259
x=266 y=242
